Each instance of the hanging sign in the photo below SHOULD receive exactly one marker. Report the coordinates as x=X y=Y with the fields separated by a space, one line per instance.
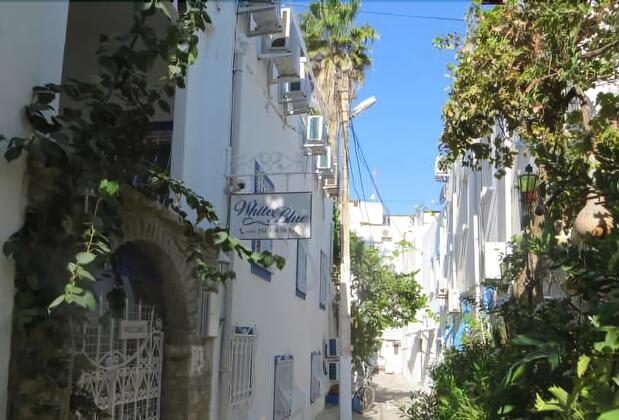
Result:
x=133 y=329
x=271 y=216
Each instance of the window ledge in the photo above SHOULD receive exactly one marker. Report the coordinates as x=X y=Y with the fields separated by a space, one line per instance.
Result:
x=261 y=272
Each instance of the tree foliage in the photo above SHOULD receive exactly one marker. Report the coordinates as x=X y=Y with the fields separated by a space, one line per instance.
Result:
x=337 y=49
x=381 y=299
x=543 y=74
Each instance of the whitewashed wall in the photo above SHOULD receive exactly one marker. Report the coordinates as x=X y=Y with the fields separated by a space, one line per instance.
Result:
x=31 y=44
x=286 y=324
x=203 y=156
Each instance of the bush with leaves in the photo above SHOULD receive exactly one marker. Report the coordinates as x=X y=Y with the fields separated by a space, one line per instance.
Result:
x=381 y=299
x=540 y=71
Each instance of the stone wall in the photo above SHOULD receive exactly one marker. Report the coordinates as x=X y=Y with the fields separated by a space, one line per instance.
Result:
x=188 y=375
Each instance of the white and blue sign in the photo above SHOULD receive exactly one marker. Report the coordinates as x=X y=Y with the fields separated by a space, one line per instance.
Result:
x=271 y=216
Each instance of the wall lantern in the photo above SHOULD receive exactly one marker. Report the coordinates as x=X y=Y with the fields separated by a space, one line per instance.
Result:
x=527 y=184
x=223 y=262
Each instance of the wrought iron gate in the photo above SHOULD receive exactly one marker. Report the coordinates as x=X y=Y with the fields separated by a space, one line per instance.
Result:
x=126 y=354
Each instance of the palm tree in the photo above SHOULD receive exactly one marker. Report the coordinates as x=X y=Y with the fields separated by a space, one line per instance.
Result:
x=337 y=49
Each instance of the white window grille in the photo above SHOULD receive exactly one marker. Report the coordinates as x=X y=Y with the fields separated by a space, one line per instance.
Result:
x=316 y=373
x=283 y=390
x=324 y=275
x=241 y=364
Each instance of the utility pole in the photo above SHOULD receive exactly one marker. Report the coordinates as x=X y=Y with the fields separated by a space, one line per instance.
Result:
x=345 y=397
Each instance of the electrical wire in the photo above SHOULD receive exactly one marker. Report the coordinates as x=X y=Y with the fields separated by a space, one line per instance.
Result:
x=391 y=14
x=358 y=166
x=367 y=166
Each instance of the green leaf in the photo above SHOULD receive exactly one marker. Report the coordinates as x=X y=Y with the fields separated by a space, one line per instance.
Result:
x=56 y=302
x=541 y=405
x=560 y=394
x=72 y=289
x=85 y=258
x=108 y=187
x=505 y=409
x=220 y=237
x=610 y=415
x=583 y=363
x=86 y=300
x=85 y=274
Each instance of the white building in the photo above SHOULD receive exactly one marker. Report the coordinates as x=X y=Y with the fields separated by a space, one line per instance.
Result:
x=406 y=244
x=481 y=214
x=238 y=127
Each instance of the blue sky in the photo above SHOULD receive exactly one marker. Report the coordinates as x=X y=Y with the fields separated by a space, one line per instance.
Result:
x=399 y=133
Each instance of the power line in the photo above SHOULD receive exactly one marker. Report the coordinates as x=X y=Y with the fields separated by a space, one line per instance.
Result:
x=367 y=167
x=364 y=197
x=400 y=15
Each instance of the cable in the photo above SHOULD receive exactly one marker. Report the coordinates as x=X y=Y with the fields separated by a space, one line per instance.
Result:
x=367 y=167
x=400 y=15
x=365 y=201
x=351 y=176
x=364 y=197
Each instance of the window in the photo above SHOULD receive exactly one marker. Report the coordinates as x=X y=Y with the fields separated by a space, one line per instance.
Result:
x=316 y=373
x=262 y=184
x=240 y=364
x=324 y=275
x=301 y=282
x=396 y=348
x=283 y=389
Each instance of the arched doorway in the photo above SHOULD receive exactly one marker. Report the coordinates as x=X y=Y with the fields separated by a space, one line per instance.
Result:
x=136 y=338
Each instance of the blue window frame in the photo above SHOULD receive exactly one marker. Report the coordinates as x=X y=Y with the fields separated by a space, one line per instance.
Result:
x=262 y=184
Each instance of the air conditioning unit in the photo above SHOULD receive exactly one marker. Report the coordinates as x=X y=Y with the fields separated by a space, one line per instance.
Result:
x=324 y=164
x=315 y=135
x=333 y=370
x=443 y=293
x=284 y=48
x=264 y=16
x=330 y=187
x=453 y=302
x=493 y=254
x=333 y=347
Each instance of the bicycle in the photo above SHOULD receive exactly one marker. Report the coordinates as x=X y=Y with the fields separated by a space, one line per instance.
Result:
x=363 y=392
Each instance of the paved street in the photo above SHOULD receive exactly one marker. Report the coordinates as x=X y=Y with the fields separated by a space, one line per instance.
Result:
x=391 y=392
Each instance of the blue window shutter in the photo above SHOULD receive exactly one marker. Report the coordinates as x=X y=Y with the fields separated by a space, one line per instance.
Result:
x=301 y=280
x=322 y=298
x=262 y=184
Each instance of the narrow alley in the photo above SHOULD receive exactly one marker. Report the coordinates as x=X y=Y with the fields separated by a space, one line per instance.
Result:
x=391 y=393
x=292 y=210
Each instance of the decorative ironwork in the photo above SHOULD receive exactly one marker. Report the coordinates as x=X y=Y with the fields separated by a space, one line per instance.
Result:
x=127 y=359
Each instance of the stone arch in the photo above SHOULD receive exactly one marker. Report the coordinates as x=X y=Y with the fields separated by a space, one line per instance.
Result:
x=157 y=234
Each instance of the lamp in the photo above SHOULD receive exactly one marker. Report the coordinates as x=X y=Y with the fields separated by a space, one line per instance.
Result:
x=223 y=262
x=362 y=106
x=527 y=184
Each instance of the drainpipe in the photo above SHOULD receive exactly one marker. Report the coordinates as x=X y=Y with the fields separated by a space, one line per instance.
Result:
x=240 y=46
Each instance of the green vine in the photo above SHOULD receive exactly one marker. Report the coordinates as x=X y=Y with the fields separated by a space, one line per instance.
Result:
x=79 y=163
